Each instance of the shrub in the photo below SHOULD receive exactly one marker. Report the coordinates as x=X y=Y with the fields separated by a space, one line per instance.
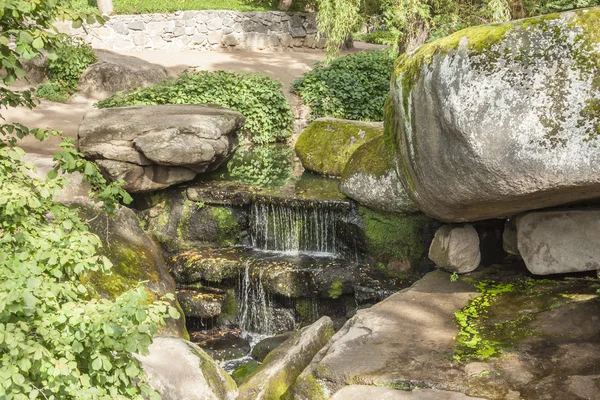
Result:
x=262 y=165
x=64 y=70
x=378 y=37
x=259 y=98
x=351 y=87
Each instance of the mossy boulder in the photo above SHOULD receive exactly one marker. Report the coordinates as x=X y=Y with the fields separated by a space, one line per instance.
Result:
x=282 y=366
x=181 y=224
x=212 y=265
x=136 y=258
x=203 y=303
x=371 y=179
x=498 y=119
x=326 y=145
x=178 y=369
x=265 y=346
x=242 y=373
x=397 y=244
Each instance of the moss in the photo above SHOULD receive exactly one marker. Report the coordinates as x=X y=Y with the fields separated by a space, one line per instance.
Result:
x=241 y=374
x=311 y=387
x=186 y=334
x=219 y=381
x=304 y=309
x=395 y=238
x=372 y=158
x=335 y=290
x=325 y=146
x=227 y=223
x=229 y=308
x=183 y=226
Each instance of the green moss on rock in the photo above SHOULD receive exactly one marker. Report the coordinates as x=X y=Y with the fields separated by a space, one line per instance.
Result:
x=227 y=223
x=396 y=238
x=326 y=145
x=241 y=374
x=373 y=158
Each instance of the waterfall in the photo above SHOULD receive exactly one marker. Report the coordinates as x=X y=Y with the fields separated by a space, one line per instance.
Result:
x=309 y=228
x=254 y=312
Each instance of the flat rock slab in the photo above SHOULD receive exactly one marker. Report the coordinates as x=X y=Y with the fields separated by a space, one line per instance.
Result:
x=362 y=392
x=547 y=334
x=153 y=147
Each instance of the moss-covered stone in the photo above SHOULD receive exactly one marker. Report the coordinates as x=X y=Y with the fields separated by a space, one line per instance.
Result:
x=221 y=383
x=326 y=145
x=212 y=265
x=207 y=303
x=399 y=242
x=370 y=179
x=242 y=373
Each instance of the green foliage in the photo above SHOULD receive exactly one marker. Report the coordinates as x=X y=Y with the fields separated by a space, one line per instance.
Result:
x=351 y=87
x=378 y=37
x=64 y=70
x=268 y=115
x=52 y=91
x=162 y=6
x=335 y=290
x=337 y=19
x=262 y=165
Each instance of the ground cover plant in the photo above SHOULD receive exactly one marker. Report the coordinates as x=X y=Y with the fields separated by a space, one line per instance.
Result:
x=259 y=98
x=65 y=69
x=351 y=87
x=161 y=6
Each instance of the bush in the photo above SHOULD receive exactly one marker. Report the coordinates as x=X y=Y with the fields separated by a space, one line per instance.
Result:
x=351 y=87
x=64 y=70
x=268 y=114
x=378 y=37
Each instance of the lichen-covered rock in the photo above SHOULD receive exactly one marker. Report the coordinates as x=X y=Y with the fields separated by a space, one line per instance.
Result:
x=362 y=392
x=509 y=237
x=265 y=346
x=115 y=72
x=371 y=179
x=180 y=370
x=456 y=248
x=212 y=265
x=281 y=367
x=135 y=258
x=557 y=242
x=201 y=303
x=153 y=147
x=326 y=145
x=498 y=119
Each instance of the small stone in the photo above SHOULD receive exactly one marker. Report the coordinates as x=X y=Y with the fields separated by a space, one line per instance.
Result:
x=455 y=248
x=215 y=24
x=286 y=40
x=136 y=26
x=202 y=28
x=120 y=27
x=140 y=38
x=179 y=31
x=199 y=38
x=189 y=15
x=231 y=40
x=214 y=38
x=298 y=32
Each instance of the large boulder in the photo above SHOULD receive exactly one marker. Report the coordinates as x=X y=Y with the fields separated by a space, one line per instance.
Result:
x=326 y=145
x=180 y=370
x=115 y=72
x=557 y=242
x=135 y=257
x=498 y=119
x=282 y=366
x=153 y=147
x=371 y=179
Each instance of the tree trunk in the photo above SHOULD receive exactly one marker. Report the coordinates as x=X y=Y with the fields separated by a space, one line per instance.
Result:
x=105 y=7
x=414 y=37
x=284 y=5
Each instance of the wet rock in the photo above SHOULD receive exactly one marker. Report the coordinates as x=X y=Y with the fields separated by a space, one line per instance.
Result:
x=213 y=265
x=456 y=248
x=509 y=237
x=281 y=367
x=500 y=119
x=135 y=257
x=222 y=345
x=178 y=370
x=265 y=346
x=202 y=303
x=241 y=374
x=362 y=392
x=554 y=242
x=371 y=179
x=326 y=145
x=153 y=147
x=115 y=72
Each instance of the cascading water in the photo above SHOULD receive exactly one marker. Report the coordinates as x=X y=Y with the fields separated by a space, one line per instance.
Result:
x=254 y=312
x=296 y=229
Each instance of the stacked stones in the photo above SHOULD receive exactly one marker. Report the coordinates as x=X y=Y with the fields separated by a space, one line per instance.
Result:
x=205 y=30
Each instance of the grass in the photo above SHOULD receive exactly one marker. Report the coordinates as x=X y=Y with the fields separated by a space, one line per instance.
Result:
x=162 y=6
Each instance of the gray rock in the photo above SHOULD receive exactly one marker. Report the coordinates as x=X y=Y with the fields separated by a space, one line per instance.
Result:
x=556 y=242
x=281 y=367
x=231 y=40
x=180 y=370
x=298 y=32
x=214 y=23
x=362 y=392
x=371 y=179
x=119 y=27
x=115 y=72
x=136 y=26
x=456 y=248
x=286 y=40
x=140 y=38
x=199 y=38
x=179 y=31
x=214 y=37
x=257 y=41
x=201 y=304
x=35 y=69
x=499 y=120
x=173 y=142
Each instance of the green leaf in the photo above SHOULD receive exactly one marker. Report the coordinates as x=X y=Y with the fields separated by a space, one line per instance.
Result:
x=38 y=43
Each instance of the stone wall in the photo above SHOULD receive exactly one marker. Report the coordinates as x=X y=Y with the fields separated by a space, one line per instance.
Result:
x=205 y=30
